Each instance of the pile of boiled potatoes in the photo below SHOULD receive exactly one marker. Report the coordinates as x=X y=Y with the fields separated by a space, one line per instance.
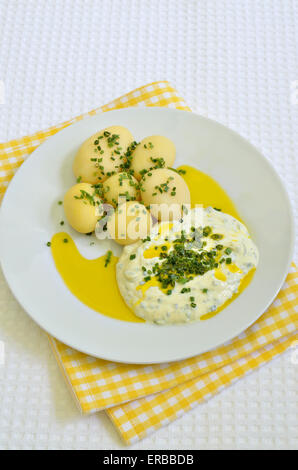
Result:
x=110 y=165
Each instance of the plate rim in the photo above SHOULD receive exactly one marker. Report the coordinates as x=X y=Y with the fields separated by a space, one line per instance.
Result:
x=166 y=110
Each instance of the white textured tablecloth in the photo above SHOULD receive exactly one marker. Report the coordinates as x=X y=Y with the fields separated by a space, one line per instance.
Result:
x=234 y=61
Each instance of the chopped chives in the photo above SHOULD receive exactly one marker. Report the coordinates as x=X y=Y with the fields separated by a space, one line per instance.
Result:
x=108 y=258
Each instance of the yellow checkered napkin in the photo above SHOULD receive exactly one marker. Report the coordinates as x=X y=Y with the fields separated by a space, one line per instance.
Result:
x=139 y=399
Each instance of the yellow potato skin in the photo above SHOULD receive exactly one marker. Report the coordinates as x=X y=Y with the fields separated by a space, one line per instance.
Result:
x=124 y=220
x=119 y=185
x=152 y=196
x=152 y=147
x=89 y=170
x=80 y=214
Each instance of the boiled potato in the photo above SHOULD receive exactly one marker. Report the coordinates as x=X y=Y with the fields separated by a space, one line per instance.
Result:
x=155 y=151
x=165 y=191
x=101 y=155
x=120 y=185
x=130 y=222
x=81 y=207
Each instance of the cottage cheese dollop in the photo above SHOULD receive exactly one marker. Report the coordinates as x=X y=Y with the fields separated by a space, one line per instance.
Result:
x=187 y=269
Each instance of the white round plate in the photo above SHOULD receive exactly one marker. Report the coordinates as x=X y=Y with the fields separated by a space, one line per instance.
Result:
x=30 y=216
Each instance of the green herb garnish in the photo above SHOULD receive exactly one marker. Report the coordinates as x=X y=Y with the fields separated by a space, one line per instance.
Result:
x=108 y=258
x=185 y=290
x=216 y=236
x=207 y=231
